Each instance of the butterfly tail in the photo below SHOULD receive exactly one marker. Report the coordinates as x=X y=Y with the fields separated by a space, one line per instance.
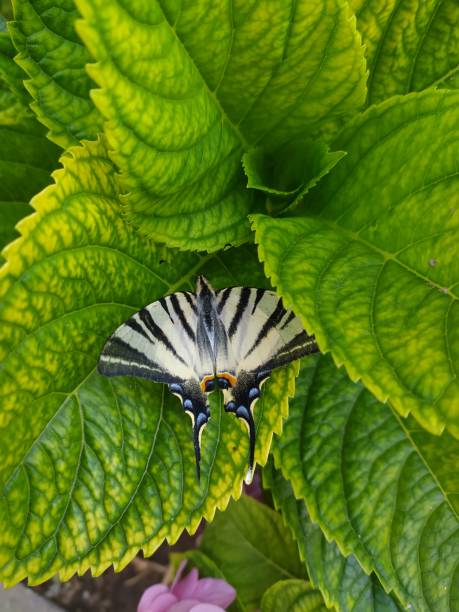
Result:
x=200 y=421
x=246 y=415
x=197 y=451
x=249 y=475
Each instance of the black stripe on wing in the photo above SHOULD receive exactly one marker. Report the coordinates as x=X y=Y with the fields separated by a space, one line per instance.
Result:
x=181 y=315
x=300 y=346
x=224 y=293
x=259 y=294
x=272 y=321
x=240 y=309
x=158 y=333
x=189 y=299
x=164 y=306
x=119 y=358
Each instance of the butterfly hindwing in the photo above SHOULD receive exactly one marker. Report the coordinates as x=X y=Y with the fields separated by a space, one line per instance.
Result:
x=262 y=336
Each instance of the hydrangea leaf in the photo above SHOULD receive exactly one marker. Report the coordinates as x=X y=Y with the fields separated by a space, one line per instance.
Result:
x=27 y=159
x=93 y=469
x=10 y=73
x=52 y=55
x=201 y=85
x=410 y=44
x=341 y=580
x=370 y=263
x=287 y=175
x=252 y=549
x=292 y=595
x=370 y=487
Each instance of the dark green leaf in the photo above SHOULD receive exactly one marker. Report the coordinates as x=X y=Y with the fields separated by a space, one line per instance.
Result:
x=27 y=159
x=252 y=549
x=371 y=488
x=52 y=55
x=341 y=580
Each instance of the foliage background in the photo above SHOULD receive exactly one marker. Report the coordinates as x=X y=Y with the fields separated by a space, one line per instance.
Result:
x=312 y=146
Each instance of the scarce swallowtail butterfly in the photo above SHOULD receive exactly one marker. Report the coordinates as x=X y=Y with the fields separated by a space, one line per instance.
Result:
x=195 y=343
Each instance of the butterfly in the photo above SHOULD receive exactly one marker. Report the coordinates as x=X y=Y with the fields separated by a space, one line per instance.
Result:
x=230 y=339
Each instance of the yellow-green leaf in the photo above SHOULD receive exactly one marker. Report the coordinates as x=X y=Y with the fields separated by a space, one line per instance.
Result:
x=187 y=89
x=371 y=262
x=93 y=469
x=410 y=44
x=294 y=596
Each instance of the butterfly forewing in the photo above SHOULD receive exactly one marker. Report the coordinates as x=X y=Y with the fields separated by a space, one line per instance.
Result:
x=158 y=342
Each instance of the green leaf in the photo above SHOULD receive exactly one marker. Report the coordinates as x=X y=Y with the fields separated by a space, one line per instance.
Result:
x=252 y=549
x=93 y=469
x=289 y=173
x=10 y=73
x=370 y=487
x=341 y=580
x=5 y=12
x=51 y=53
x=410 y=44
x=27 y=159
x=225 y=79
x=372 y=264
x=294 y=596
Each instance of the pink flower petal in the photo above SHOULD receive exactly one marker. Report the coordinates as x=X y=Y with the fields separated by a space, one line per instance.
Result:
x=185 y=605
x=179 y=573
x=204 y=607
x=191 y=605
x=186 y=586
x=156 y=598
x=213 y=591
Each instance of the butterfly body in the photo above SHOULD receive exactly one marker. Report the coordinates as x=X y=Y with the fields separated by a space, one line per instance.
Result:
x=199 y=342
